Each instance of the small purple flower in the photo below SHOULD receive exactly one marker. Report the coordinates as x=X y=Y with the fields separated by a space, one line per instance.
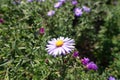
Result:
x=51 y=13
x=1 y=20
x=62 y=0
x=85 y=61
x=41 y=30
x=75 y=54
x=40 y=0
x=74 y=2
x=86 y=9
x=58 y=4
x=111 y=78
x=16 y=2
x=91 y=66
x=78 y=11
x=29 y=0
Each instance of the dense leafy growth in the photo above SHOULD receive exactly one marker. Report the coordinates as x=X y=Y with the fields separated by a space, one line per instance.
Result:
x=26 y=26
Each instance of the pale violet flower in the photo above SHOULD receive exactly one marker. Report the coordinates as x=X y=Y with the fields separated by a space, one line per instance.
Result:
x=111 y=78
x=51 y=13
x=78 y=12
x=40 y=0
x=58 y=4
x=61 y=0
x=74 y=2
x=86 y=9
x=60 y=46
x=16 y=2
x=29 y=0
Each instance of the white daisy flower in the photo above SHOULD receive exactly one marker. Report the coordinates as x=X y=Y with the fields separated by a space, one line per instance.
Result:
x=60 y=46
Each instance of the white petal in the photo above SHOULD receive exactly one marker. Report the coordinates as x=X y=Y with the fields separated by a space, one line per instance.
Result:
x=69 y=46
x=63 y=51
x=55 y=52
x=54 y=39
x=51 y=48
x=61 y=38
x=67 y=43
x=66 y=49
x=49 y=45
x=51 y=42
x=51 y=52
x=59 y=51
x=66 y=39
x=70 y=41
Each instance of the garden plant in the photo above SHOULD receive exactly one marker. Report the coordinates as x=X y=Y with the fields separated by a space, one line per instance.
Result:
x=59 y=39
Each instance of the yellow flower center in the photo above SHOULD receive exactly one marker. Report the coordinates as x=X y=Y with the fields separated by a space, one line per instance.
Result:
x=59 y=43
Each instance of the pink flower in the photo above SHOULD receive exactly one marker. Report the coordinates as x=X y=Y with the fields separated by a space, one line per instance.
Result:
x=41 y=30
x=1 y=20
x=91 y=66
x=85 y=61
x=75 y=54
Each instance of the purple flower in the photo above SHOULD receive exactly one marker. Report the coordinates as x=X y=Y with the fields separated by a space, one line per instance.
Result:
x=1 y=20
x=58 y=4
x=91 y=66
x=111 y=78
x=60 y=46
x=85 y=61
x=51 y=13
x=41 y=30
x=40 y=0
x=16 y=2
x=75 y=54
x=62 y=0
x=78 y=11
x=29 y=0
x=74 y=2
x=86 y=9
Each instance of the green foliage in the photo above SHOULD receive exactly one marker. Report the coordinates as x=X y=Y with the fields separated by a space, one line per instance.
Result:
x=23 y=54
